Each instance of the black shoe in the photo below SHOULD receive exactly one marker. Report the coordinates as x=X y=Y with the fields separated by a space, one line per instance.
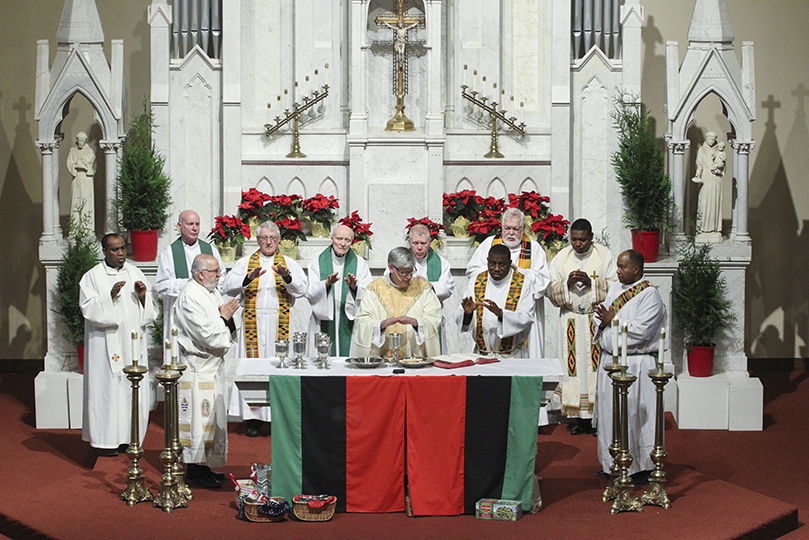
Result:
x=122 y=448
x=640 y=478
x=194 y=471
x=253 y=428
x=582 y=427
x=602 y=474
x=207 y=471
x=207 y=482
x=108 y=452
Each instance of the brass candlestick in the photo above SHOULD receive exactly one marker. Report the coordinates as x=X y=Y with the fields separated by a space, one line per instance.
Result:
x=294 y=116
x=656 y=494
x=611 y=493
x=494 y=116
x=169 y=497
x=135 y=490
x=182 y=488
x=625 y=500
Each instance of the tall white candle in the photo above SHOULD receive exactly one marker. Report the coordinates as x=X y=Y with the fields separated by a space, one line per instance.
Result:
x=465 y=69
x=624 y=330
x=174 y=348
x=316 y=87
x=660 y=348
x=134 y=348
x=615 y=323
x=475 y=73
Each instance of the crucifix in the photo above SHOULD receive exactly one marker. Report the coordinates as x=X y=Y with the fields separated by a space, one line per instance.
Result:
x=400 y=25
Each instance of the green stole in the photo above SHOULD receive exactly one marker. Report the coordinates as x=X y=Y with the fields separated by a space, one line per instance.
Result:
x=433 y=275
x=178 y=252
x=617 y=304
x=346 y=325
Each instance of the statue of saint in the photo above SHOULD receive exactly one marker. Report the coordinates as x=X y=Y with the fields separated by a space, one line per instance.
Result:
x=81 y=162
x=711 y=160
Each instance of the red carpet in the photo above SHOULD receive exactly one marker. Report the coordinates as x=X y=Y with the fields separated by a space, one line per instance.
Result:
x=53 y=487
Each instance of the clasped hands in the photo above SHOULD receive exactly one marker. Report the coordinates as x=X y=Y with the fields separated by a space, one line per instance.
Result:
x=469 y=306
x=404 y=319
x=578 y=276
x=227 y=309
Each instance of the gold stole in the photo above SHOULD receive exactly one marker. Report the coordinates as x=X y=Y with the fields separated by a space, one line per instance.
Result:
x=396 y=301
x=525 y=251
x=250 y=296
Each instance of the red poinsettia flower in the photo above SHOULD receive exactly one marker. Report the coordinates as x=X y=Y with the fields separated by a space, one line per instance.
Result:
x=434 y=228
x=463 y=203
x=551 y=229
x=530 y=203
x=229 y=229
x=252 y=203
x=362 y=231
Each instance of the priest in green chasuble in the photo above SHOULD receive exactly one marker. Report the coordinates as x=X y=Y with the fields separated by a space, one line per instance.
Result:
x=337 y=281
x=398 y=303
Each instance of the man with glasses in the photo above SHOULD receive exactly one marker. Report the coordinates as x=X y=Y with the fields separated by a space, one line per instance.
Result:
x=268 y=284
x=498 y=307
x=175 y=260
x=529 y=258
x=337 y=280
x=402 y=303
x=205 y=327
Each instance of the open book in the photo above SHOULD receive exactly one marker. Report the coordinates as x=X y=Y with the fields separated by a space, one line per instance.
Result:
x=450 y=361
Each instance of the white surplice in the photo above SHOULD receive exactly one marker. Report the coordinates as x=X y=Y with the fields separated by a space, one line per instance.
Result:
x=644 y=316
x=515 y=323
x=203 y=339
x=108 y=326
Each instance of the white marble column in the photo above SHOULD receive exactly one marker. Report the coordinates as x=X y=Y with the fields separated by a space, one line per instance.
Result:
x=632 y=45
x=110 y=149
x=56 y=163
x=434 y=119
x=742 y=148
x=229 y=194
x=48 y=233
x=358 y=121
x=677 y=150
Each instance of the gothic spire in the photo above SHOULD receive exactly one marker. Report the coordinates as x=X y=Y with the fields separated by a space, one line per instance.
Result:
x=711 y=22
x=80 y=23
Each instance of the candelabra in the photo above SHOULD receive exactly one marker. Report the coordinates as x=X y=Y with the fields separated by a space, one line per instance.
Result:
x=496 y=112
x=182 y=488
x=656 y=494
x=169 y=497
x=611 y=493
x=294 y=115
x=135 y=490
x=625 y=499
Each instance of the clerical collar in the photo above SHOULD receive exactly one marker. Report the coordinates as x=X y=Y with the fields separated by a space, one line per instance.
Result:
x=586 y=253
x=337 y=255
x=186 y=244
x=392 y=284
x=117 y=269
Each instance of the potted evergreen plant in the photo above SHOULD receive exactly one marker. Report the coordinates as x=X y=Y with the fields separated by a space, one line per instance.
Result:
x=144 y=190
x=79 y=258
x=639 y=169
x=701 y=308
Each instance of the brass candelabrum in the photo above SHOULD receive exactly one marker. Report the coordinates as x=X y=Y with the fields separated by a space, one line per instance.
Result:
x=656 y=494
x=611 y=493
x=625 y=499
x=170 y=496
x=294 y=116
x=495 y=114
x=135 y=490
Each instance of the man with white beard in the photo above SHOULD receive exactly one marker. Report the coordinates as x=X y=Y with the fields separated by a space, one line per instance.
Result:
x=528 y=257
x=205 y=325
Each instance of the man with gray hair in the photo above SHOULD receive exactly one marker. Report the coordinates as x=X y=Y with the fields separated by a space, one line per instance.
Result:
x=268 y=284
x=402 y=303
x=528 y=257
x=204 y=326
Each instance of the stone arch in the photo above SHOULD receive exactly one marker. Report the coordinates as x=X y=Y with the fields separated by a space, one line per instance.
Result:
x=265 y=186
x=528 y=185
x=296 y=186
x=496 y=189
x=464 y=184
x=329 y=187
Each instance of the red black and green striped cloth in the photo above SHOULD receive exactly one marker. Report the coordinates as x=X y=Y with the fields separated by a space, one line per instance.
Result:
x=468 y=438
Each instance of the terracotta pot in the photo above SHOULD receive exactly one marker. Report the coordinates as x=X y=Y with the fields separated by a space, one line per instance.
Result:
x=80 y=351
x=700 y=361
x=647 y=242
x=144 y=245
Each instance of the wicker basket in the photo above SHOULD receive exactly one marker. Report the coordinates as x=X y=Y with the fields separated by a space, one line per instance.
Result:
x=252 y=514
x=311 y=511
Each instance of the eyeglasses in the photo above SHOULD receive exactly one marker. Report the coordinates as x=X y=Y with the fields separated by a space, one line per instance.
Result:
x=263 y=238
x=215 y=270
x=408 y=272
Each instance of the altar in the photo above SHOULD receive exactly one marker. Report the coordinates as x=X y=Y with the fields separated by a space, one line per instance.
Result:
x=446 y=437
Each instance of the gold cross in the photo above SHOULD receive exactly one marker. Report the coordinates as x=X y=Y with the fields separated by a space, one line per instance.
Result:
x=594 y=275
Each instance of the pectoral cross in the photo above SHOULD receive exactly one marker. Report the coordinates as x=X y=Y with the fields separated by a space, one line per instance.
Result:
x=594 y=275
x=400 y=24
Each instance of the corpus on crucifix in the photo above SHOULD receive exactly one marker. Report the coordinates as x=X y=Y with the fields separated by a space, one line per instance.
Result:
x=400 y=24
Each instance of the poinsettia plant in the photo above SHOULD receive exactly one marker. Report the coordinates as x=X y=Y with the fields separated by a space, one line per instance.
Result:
x=252 y=204
x=362 y=231
x=320 y=208
x=488 y=219
x=463 y=203
x=530 y=203
x=229 y=230
x=281 y=206
x=291 y=228
x=551 y=229
x=434 y=228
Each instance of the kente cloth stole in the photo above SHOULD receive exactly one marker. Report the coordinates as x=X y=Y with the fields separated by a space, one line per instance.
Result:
x=250 y=296
x=178 y=253
x=616 y=305
x=525 y=251
x=512 y=299
x=346 y=326
x=595 y=350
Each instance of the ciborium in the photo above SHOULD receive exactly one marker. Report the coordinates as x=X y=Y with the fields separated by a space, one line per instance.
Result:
x=395 y=344
x=299 y=349
x=281 y=351
x=323 y=346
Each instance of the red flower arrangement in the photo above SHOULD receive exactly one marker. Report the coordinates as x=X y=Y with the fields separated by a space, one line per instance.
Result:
x=282 y=206
x=434 y=228
x=252 y=204
x=463 y=203
x=362 y=231
x=291 y=228
x=530 y=203
x=320 y=208
x=551 y=229
x=488 y=219
x=229 y=229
